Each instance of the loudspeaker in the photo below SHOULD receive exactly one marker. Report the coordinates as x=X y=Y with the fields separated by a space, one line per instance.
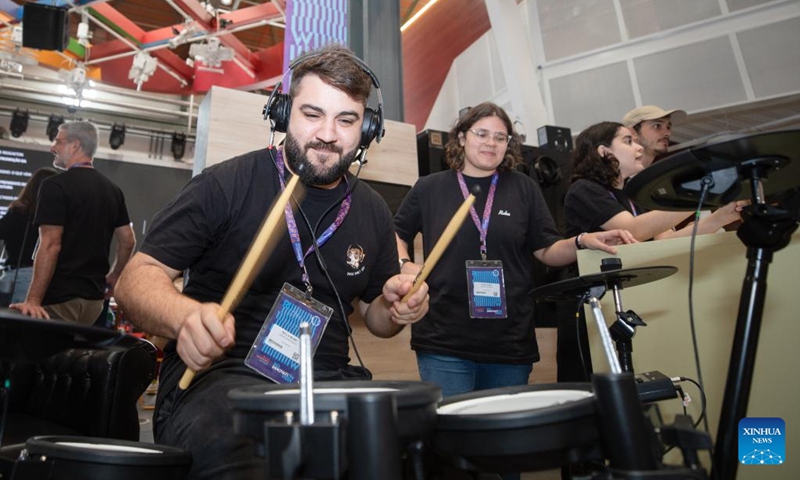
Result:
x=279 y=105
x=45 y=27
x=556 y=138
x=430 y=152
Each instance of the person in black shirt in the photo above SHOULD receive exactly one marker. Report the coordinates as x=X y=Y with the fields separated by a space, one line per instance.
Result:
x=78 y=213
x=605 y=156
x=461 y=345
x=20 y=234
x=207 y=230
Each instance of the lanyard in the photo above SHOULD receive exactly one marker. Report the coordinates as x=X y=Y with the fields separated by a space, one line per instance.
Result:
x=294 y=233
x=483 y=226
x=633 y=207
x=81 y=164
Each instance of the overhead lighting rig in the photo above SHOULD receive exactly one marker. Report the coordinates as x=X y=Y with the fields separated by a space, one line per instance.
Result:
x=211 y=53
x=19 y=123
x=53 y=123
x=84 y=34
x=190 y=29
x=117 y=136
x=178 y=146
x=142 y=69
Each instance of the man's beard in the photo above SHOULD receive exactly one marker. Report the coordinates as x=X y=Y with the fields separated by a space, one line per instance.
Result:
x=310 y=174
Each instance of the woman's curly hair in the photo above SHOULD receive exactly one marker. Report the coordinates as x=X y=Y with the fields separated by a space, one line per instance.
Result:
x=454 y=152
x=587 y=162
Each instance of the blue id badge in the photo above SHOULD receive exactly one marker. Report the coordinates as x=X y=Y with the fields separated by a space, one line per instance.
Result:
x=276 y=351
x=487 y=289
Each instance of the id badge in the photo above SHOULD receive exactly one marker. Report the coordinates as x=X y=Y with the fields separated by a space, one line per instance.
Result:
x=276 y=350
x=487 y=289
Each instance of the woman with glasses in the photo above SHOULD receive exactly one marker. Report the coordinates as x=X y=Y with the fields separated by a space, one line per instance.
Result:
x=479 y=331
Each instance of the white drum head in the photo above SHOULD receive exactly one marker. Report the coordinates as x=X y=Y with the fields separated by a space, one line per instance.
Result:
x=109 y=448
x=323 y=391
x=517 y=402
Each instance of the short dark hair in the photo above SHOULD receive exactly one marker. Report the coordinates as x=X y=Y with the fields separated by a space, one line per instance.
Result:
x=337 y=66
x=454 y=152
x=587 y=163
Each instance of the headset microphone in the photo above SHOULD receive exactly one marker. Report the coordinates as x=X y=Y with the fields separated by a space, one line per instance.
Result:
x=279 y=107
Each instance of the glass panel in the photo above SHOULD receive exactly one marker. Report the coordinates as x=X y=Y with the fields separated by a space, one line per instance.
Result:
x=643 y=17
x=694 y=77
x=570 y=27
x=772 y=58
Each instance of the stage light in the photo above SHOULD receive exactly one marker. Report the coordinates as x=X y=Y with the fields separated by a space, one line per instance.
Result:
x=19 y=123
x=52 y=126
x=117 y=137
x=178 y=145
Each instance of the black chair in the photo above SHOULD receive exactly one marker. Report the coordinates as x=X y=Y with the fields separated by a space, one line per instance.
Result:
x=79 y=392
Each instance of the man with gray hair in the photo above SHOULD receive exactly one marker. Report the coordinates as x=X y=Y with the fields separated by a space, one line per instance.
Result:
x=78 y=213
x=652 y=128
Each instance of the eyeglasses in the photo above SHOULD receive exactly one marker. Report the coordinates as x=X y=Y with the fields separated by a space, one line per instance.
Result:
x=483 y=136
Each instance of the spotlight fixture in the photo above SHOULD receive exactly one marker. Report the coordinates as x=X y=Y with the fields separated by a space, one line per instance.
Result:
x=53 y=123
x=19 y=123
x=178 y=145
x=212 y=53
x=142 y=69
x=117 y=137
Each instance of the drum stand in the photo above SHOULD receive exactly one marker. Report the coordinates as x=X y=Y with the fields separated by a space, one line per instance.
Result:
x=624 y=328
x=321 y=449
x=629 y=440
x=764 y=231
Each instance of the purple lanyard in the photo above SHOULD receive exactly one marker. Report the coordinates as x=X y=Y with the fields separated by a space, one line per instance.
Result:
x=483 y=227
x=81 y=164
x=633 y=207
x=294 y=233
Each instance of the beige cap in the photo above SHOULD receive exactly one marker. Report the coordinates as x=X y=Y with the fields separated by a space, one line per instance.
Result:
x=650 y=112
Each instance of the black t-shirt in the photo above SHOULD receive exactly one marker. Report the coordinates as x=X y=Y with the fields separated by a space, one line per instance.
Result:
x=588 y=205
x=13 y=227
x=208 y=228
x=520 y=224
x=89 y=207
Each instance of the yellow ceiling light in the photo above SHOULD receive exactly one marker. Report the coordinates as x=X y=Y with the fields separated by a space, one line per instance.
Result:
x=417 y=15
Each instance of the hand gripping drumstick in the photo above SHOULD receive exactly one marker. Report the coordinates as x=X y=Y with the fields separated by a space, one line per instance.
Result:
x=252 y=263
x=443 y=242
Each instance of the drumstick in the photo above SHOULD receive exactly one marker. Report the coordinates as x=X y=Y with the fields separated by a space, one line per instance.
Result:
x=251 y=265
x=442 y=243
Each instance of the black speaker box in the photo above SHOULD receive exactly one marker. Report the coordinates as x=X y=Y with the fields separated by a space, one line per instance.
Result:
x=430 y=152
x=45 y=27
x=555 y=138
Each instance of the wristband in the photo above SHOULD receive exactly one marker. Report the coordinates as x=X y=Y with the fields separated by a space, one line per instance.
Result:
x=578 y=243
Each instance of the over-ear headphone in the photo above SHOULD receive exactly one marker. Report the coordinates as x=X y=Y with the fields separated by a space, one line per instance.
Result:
x=546 y=171
x=279 y=105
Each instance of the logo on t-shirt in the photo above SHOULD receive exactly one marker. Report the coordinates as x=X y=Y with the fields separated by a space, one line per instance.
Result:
x=504 y=213
x=355 y=256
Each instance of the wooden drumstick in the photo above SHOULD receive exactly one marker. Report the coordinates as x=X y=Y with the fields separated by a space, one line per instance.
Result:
x=441 y=244
x=252 y=263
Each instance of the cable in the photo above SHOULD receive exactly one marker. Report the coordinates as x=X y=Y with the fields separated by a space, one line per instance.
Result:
x=321 y=261
x=702 y=397
x=706 y=183
x=582 y=300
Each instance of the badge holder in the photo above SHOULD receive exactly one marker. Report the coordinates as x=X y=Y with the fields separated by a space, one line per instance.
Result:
x=276 y=351
x=487 y=289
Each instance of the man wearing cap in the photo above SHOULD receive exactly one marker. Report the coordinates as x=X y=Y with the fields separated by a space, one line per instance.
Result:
x=652 y=127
